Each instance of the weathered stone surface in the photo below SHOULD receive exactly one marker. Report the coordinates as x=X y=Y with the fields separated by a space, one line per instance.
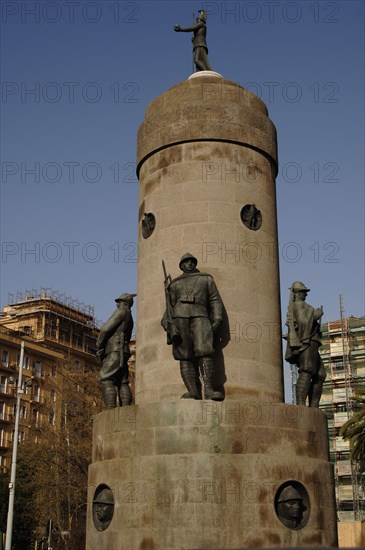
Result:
x=204 y=475
x=205 y=149
x=201 y=474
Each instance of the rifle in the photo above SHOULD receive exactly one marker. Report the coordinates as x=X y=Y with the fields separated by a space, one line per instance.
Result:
x=122 y=360
x=173 y=335
x=293 y=342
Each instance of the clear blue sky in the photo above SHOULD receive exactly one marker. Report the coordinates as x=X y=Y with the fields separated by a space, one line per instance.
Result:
x=95 y=66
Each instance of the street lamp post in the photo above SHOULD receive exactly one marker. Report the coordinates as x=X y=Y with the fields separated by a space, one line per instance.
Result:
x=20 y=391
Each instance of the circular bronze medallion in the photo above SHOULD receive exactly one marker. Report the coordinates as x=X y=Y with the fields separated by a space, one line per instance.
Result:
x=292 y=505
x=103 y=507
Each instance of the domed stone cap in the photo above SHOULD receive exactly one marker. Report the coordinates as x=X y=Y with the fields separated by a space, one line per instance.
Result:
x=206 y=109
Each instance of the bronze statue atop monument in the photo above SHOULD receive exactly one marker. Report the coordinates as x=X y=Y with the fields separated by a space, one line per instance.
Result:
x=200 y=48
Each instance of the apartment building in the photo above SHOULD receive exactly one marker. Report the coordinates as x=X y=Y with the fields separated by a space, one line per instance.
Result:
x=59 y=335
x=343 y=354
x=60 y=344
x=41 y=389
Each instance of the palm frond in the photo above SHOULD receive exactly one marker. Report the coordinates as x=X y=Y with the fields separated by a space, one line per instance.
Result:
x=354 y=429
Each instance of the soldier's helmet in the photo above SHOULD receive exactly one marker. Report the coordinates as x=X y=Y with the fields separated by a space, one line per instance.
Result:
x=126 y=298
x=289 y=493
x=203 y=15
x=104 y=497
x=187 y=256
x=297 y=286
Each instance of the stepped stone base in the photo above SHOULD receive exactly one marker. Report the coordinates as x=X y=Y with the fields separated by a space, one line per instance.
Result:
x=201 y=474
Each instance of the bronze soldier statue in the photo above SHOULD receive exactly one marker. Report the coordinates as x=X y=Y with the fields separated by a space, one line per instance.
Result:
x=113 y=352
x=303 y=342
x=200 y=48
x=191 y=319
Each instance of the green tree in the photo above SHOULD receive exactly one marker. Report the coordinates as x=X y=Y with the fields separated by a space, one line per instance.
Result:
x=354 y=429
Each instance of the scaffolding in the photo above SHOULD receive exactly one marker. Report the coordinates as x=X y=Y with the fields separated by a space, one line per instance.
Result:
x=343 y=355
x=48 y=315
x=48 y=294
x=347 y=367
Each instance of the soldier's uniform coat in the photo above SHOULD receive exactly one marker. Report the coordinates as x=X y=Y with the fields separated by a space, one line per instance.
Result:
x=197 y=310
x=115 y=335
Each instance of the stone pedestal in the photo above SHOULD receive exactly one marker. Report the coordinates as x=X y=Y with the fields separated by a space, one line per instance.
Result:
x=171 y=474
x=200 y=474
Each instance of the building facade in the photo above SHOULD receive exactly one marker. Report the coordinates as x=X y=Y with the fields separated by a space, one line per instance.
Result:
x=59 y=336
x=56 y=321
x=41 y=386
x=343 y=355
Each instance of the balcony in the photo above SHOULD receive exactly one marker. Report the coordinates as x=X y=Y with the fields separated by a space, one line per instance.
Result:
x=6 y=417
x=36 y=400
x=346 y=516
x=345 y=492
x=340 y=375
x=6 y=391
x=9 y=365
x=340 y=418
x=341 y=445
x=339 y=395
x=343 y=468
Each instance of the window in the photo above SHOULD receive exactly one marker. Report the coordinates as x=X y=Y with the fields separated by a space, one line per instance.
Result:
x=23 y=412
x=53 y=396
x=5 y=438
x=35 y=417
x=37 y=369
x=27 y=330
x=54 y=371
x=39 y=325
x=77 y=365
x=5 y=358
x=2 y=411
x=26 y=364
x=3 y=384
x=36 y=392
x=51 y=418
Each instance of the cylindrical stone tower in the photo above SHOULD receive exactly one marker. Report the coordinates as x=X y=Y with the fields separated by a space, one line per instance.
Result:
x=207 y=164
x=174 y=474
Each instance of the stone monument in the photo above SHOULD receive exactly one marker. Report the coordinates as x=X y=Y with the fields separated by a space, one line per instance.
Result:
x=248 y=471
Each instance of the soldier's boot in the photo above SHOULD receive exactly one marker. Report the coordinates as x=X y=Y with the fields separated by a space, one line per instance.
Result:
x=303 y=387
x=109 y=394
x=125 y=395
x=315 y=394
x=190 y=376
x=207 y=370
